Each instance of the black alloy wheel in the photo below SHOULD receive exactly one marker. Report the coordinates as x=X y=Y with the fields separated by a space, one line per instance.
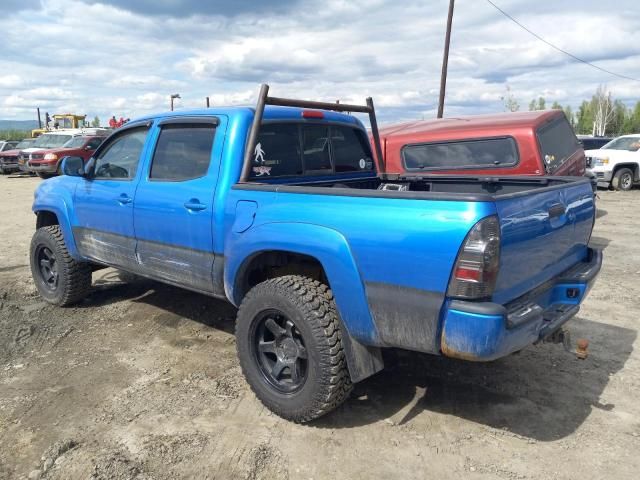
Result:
x=48 y=267
x=280 y=351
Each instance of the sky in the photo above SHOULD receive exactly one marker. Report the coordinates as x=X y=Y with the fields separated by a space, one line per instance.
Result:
x=126 y=57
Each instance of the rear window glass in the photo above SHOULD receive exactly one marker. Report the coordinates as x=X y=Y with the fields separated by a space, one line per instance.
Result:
x=294 y=149
x=557 y=143
x=351 y=151
x=316 y=148
x=490 y=152
x=277 y=152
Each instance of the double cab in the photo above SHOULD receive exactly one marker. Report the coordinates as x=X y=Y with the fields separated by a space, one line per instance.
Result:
x=513 y=143
x=281 y=210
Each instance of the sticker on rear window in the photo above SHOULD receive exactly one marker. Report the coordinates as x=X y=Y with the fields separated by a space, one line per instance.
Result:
x=260 y=171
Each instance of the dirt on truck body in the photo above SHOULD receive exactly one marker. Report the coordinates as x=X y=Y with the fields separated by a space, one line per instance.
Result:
x=141 y=380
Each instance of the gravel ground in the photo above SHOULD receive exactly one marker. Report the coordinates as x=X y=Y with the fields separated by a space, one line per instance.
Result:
x=141 y=381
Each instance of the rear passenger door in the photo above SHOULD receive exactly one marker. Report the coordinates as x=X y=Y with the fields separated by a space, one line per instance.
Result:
x=173 y=208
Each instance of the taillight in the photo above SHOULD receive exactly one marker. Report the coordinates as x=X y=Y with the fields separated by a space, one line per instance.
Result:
x=476 y=269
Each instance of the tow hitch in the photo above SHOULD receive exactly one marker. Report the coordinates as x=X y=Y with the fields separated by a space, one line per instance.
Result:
x=563 y=336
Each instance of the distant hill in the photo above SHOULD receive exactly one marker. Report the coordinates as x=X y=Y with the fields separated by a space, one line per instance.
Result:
x=18 y=124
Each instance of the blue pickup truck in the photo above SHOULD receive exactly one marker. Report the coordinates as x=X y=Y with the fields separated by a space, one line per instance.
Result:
x=279 y=209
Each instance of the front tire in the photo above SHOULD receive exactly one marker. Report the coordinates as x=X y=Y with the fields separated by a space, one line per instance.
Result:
x=59 y=278
x=289 y=345
x=623 y=180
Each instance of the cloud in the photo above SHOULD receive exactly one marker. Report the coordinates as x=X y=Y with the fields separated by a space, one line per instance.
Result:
x=125 y=58
x=188 y=8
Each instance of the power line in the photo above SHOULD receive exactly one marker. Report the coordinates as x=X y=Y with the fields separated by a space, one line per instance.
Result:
x=558 y=48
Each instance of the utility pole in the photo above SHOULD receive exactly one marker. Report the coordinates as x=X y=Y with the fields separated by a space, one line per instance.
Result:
x=39 y=119
x=208 y=104
x=173 y=97
x=445 y=60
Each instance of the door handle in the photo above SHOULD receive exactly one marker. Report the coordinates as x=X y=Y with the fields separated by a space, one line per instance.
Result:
x=195 y=205
x=124 y=199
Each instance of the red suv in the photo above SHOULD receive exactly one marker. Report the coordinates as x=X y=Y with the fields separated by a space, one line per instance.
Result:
x=518 y=143
x=48 y=162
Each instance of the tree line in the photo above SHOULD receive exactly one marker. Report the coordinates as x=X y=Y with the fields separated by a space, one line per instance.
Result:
x=602 y=115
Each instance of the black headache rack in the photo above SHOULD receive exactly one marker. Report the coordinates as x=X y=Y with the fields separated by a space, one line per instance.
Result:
x=265 y=99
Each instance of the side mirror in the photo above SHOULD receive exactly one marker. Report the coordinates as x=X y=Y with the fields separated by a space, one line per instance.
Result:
x=73 y=166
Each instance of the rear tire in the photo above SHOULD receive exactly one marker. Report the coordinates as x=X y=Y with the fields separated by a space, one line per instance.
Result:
x=59 y=278
x=289 y=325
x=623 y=180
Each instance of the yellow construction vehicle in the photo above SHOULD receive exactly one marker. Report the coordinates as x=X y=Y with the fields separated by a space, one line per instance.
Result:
x=60 y=121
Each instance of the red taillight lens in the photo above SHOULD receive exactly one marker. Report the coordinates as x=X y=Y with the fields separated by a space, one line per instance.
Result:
x=476 y=270
x=312 y=114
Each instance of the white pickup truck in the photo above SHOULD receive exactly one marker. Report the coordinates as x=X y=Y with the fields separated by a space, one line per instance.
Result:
x=616 y=164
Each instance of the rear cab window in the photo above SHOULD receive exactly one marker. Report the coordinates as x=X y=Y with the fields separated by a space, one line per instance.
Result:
x=290 y=149
x=558 y=143
x=498 y=152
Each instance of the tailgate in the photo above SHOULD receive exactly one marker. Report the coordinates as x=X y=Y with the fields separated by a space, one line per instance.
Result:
x=544 y=232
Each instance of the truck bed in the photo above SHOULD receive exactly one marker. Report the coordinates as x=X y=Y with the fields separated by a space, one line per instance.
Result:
x=428 y=187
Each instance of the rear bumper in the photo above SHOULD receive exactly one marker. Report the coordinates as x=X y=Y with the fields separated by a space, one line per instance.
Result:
x=485 y=331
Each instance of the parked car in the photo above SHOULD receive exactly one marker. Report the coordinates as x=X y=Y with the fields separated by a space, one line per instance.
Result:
x=47 y=162
x=617 y=164
x=514 y=143
x=7 y=145
x=43 y=142
x=589 y=142
x=9 y=158
x=280 y=210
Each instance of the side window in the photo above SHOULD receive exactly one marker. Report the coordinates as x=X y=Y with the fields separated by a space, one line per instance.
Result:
x=277 y=151
x=483 y=153
x=94 y=143
x=121 y=157
x=315 y=148
x=351 y=150
x=557 y=143
x=183 y=152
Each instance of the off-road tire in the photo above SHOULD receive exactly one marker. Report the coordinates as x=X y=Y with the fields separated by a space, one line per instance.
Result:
x=74 y=278
x=311 y=307
x=622 y=180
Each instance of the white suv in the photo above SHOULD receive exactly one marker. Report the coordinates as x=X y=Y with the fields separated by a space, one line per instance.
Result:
x=616 y=164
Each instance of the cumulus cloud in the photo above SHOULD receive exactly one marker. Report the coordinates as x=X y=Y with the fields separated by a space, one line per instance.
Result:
x=125 y=58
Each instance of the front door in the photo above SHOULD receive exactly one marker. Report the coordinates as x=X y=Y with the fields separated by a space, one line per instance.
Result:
x=104 y=200
x=173 y=209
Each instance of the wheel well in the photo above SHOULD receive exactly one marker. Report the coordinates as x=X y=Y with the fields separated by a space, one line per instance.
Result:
x=631 y=166
x=46 y=219
x=276 y=263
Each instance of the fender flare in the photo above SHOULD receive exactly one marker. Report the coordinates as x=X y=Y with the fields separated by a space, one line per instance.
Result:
x=59 y=205
x=332 y=250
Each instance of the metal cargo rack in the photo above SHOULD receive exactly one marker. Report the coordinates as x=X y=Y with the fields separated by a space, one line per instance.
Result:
x=265 y=99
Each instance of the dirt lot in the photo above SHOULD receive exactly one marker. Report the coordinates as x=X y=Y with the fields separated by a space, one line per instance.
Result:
x=141 y=381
